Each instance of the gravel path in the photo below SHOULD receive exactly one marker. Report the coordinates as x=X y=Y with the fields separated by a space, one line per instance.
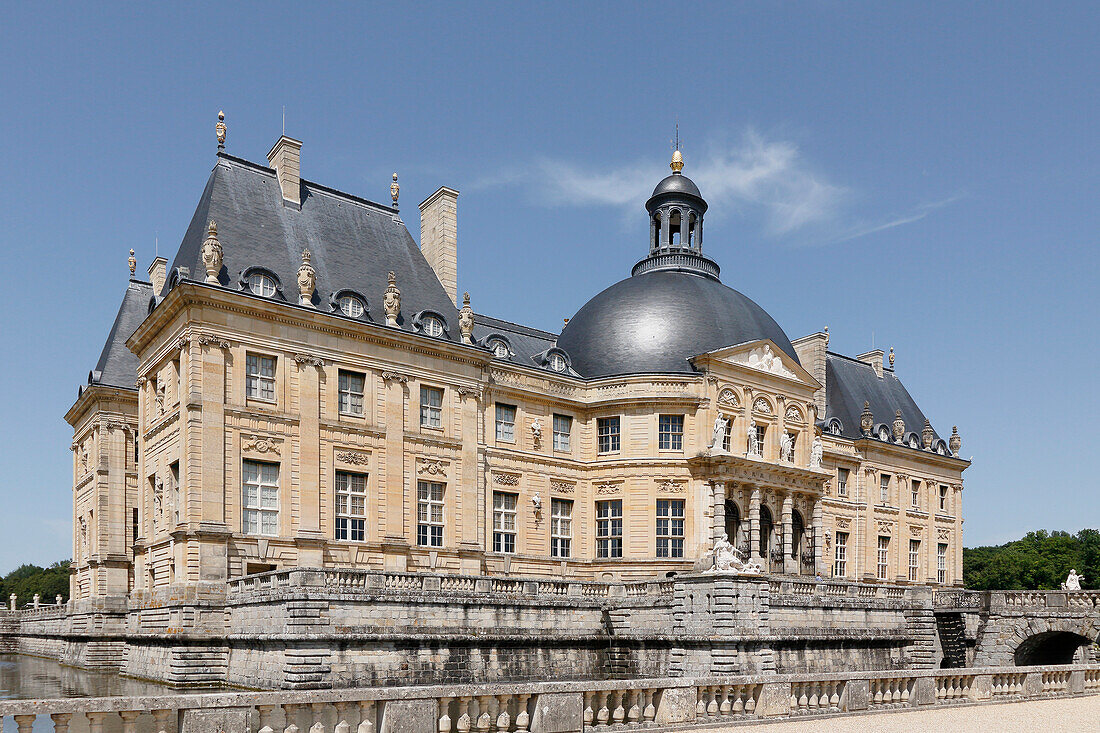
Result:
x=1069 y=715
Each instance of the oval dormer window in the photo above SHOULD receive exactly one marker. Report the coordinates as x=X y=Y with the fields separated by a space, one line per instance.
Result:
x=261 y=284
x=350 y=306
x=884 y=434
x=499 y=348
x=557 y=363
x=914 y=441
x=432 y=326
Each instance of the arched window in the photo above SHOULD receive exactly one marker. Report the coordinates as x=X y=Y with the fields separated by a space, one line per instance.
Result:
x=691 y=238
x=262 y=284
x=674 y=226
x=733 y=523
x=655 y=233
x=798 y=533
x=766 y=529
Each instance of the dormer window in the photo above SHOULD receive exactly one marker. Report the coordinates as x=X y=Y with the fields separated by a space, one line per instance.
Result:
x=884 y=434
x=499 y=347
x=557 y=363
x=262 y=284
x=432 y=326
x=350 y=306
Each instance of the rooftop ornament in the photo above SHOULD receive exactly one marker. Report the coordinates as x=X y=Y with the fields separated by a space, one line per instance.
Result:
x=927 y=434
x=307 y=279
x=891 y=357
x=955 y=441
x=220 y=130
x=391 y=301
x=466 y=320
x=866 y=419
x=212 y=253
x=132 y=262
x=899 y=427
x=395 y=190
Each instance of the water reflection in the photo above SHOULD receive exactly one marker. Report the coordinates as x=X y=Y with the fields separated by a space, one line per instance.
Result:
x=30 y=677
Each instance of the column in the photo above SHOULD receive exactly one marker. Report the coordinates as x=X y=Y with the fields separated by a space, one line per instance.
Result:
x=818 y=536
x=718 y=515
x=395 y=539
x=308 y=536
x=754 y=525
x=790 y=565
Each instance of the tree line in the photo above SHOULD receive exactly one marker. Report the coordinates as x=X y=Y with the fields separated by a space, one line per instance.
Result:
x=1039 y=561
x=26 y=580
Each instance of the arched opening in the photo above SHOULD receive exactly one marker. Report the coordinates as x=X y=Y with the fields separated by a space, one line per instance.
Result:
x=691 y=238
x=798 y=531
x=655 y=233
x=1049 y=647
x=674 y=227
x=767 y=527
x=733 y=523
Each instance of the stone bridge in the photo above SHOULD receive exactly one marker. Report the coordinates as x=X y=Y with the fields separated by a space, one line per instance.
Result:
x=1005 y=628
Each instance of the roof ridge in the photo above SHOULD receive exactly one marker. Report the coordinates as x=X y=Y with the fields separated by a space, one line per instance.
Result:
x=530 y=330
x=382 y=208
x=854 y=360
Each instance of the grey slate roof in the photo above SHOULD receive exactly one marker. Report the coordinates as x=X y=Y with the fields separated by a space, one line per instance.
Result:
x=353 y=242
x=850 y=382
x=117 y=365
x=526 y=343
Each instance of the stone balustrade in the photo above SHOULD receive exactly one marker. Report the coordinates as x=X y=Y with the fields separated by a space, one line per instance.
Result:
x=1015 y=600
x=561 y=707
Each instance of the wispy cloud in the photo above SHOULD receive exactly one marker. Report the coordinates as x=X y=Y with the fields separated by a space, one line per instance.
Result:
x=757 y=175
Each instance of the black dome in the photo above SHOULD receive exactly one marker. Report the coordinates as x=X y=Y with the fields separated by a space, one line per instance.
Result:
x=677 y=183
x=654 y=322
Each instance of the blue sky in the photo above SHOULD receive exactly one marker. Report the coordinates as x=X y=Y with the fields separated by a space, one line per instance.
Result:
x=923 y=175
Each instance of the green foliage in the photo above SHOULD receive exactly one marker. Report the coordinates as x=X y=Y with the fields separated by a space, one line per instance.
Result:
x=1039 y=561
x=26 y=580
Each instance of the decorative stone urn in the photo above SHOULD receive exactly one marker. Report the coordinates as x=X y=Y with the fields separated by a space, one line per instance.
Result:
x=391 y=301
x=899 y=427
x=212 y=253
x=927 y=435
x=466 y=320
x=955 y=441
x=866 y=419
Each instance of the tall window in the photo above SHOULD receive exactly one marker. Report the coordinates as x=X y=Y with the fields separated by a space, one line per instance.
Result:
x=175 y=471
x=504 y=522
x=506 y=423
x=670 y=432
x=840 y=555
x=563 y=429
x=761 y=433
x=728 y=433
x=259 y=377
x=351 y=392
x=884 y=488
x=260 y=498
x=561 y=527
x=883 y=556
x=842 y=481
x=351 y=506
x=914 y=488
x=943 y=497
x=607 y=434
x=429 y=514
x=670 y=528
x=914 y=559
x=609 y=528
x=431 y=407
x=794 y=443
x=941 y=563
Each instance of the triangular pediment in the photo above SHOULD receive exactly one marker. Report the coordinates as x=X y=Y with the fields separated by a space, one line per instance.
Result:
x=761 y=356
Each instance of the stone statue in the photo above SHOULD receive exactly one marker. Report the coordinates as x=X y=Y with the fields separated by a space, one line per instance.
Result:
x=466 y=320
x=786 y=447
x=815 y=453
x=752 y=443
x=307 y=279
x=536 y=431
x=212 y=253
x=727 y=559
x=395 y=190
x=1073 y=580
x=132 y=262
x=83 y=537
x=721 y=425
x=391 y=301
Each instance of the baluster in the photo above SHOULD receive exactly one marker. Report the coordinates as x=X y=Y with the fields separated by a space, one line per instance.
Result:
x=444 y=715
x=701 y=703
x=504 y=720
x=905 y=691
x=634 y=713
x=24 y=723
x=95 y=722
x=602 y=713
x=465 y=719
x=366 y=717
x=876 y=686
x=813 y=696
x=266 y=713
x=484 y=721
x=317 y=713
x=60 y=722
x=650 y=711
x=724 y=700
x=750 y=700
x=618 y=715
x=712 y=701
x=738 y=706
x=162 y=721
x=966 y=688
x=589 y=715
x=343 y=725
x=129 y=720
x=794 y=696
x=892 y=691
x=523 y=719
x=835 y=699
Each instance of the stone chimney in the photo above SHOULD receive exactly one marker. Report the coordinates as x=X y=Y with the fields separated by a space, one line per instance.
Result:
x=286 y=158
x=439 y=237
x=158 y=271
x=811 y=352
x=874 y=358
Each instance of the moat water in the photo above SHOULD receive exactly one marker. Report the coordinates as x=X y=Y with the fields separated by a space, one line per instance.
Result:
x=24 y=678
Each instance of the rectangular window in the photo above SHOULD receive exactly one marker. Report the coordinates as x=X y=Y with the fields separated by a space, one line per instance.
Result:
x=607 y=434
x=431 y=407
x=883 y=556
x=884 y=488
x=609 y=528
x=561 y=527
x=670 y=432
x=351 y=392
x=761 y=433
x=506 y=423
x=429 y=514
x=259 y=377
x=670 y=528
x=943 y=497
x=563 y=429
x=941 y=563
x=840 y=555
x=914 y=559
x=351 y=506
x=260 y=500
x=728 y=433
x=914 y=487
x=842 y=481
x=504 y=522
x=175 y=470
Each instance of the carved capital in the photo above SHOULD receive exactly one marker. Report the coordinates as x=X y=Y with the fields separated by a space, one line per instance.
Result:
x=394 y=377
x=204 y=339
x=468 y=392
x=308 y=360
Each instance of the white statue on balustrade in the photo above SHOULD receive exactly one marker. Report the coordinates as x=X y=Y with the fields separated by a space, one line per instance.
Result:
x=1073 y=580
x=815 y=453
x=728 y=559
x=786 y=447
x=752 y=443
x=721 y=425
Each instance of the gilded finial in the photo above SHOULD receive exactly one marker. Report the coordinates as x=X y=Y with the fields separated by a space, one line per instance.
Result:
x=677 y=163
x=891 y=357
x=395 y=190
x=220 y=129
x=132 y=262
